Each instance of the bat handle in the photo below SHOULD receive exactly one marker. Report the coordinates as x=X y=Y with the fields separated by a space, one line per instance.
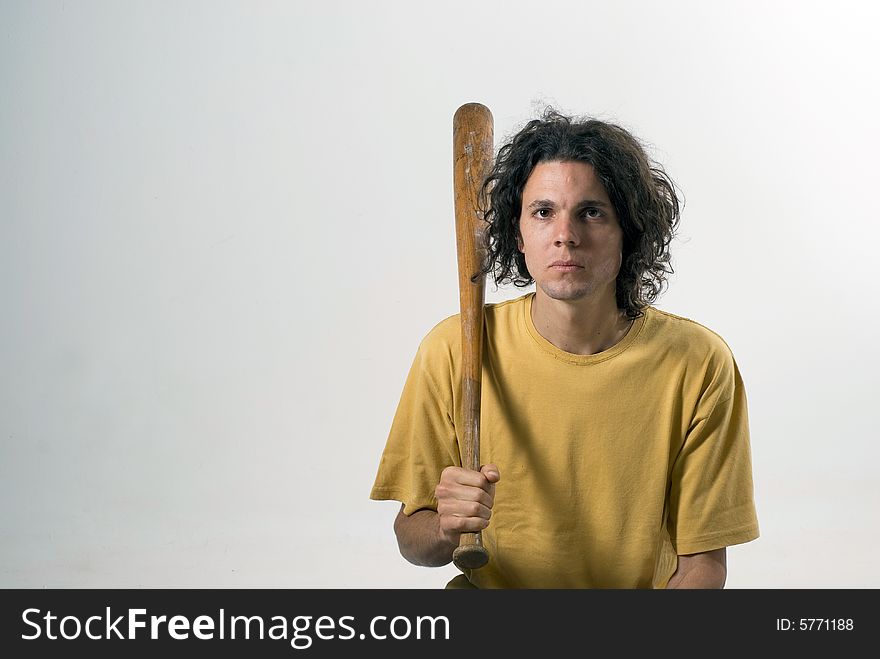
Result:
x=470 y=553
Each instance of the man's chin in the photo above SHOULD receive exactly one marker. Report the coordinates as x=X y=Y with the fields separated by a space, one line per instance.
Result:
x=566 y=293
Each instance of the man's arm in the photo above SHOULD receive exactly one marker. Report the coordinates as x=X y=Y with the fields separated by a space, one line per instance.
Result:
x=464 y=504
x=420 y=539
x=705 y=570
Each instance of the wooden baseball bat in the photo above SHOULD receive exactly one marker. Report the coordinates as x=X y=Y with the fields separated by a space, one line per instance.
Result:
x=472 y=137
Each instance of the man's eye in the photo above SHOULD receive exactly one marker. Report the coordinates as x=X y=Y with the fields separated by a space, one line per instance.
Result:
x=592 y=213
x=542 y=213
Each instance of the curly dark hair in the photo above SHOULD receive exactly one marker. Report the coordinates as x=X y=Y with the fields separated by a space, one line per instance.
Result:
x=643 y=196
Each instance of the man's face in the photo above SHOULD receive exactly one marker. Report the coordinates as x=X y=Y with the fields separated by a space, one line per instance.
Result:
x=569 y=232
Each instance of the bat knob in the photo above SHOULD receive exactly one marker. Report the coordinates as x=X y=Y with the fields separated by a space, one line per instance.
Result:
x=470 y=557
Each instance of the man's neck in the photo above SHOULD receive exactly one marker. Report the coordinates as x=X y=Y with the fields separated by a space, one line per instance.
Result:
x=581 y=327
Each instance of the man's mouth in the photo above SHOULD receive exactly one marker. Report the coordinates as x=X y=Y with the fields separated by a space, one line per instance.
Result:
x=566 y=265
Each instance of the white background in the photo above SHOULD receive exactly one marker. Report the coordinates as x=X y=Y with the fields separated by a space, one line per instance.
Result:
x=225 y=227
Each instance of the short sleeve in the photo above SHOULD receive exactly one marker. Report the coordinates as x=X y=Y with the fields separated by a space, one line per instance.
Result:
x=422 y=439
x=711 y=501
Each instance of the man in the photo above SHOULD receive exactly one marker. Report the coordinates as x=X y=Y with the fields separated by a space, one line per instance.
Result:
x=614 y=436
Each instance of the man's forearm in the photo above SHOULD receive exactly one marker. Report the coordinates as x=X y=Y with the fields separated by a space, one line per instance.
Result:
x=707 y=570
x=420 y=540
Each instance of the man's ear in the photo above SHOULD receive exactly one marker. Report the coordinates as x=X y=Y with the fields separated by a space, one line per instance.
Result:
x=519 y=241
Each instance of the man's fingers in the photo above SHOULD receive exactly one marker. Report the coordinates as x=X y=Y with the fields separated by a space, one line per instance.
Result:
x=464 y=477
x=463 y=509
x=465 y=498
x=451 y=523
x=447 y=491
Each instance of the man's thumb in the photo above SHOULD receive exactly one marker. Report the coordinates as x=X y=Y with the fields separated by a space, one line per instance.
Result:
x=490 y=471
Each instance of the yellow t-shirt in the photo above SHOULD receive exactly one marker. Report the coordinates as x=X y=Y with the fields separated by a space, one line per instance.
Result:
x=611 y=464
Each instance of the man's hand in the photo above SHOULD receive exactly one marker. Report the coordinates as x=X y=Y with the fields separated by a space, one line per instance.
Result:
x=464 y=504
x=464 y=500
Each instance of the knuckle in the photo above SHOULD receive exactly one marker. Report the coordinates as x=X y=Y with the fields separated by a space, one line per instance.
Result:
x=448 y=473
x=442 y=491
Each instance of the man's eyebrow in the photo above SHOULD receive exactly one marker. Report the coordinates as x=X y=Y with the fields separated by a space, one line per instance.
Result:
x=543 y=203
x=593 y=202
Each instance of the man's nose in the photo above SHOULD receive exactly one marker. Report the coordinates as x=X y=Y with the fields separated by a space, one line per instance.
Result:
x=566 y=231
